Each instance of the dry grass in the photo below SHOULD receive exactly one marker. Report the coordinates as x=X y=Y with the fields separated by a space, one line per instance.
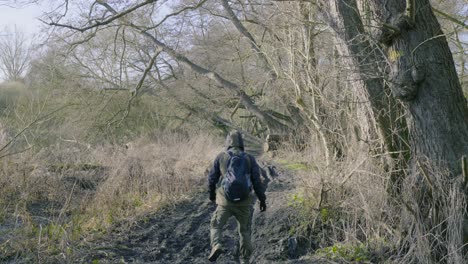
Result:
x=348 y=215
x=434 y=217
x=50 y=201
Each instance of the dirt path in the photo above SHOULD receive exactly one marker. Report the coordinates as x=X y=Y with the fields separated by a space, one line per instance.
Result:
x=180 y=234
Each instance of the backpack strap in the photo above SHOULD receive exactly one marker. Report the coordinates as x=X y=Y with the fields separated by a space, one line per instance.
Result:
x=249 y=161
x=224 y=159
x=223 y=163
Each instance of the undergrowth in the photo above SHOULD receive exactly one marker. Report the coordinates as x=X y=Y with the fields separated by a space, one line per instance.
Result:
x=342 y=210
x=53 y=201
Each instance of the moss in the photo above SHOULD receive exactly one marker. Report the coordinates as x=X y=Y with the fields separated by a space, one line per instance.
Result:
x=325 y=214
x=296 y=166
x=347 y=252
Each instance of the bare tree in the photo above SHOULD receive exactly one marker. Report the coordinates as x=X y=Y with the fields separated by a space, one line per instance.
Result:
x=107 y=15
x=15 y=53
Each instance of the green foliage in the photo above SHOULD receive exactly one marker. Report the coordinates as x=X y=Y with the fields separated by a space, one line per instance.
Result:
x=304 y=205
x=295 y=166
x=297 y=200
x=347 y=252
x=300 y=201
x=325 y=214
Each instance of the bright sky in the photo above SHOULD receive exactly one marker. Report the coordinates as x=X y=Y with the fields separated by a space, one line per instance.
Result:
x=24 y=18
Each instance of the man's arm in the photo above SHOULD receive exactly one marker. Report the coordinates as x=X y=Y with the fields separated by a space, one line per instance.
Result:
x=213 y=177
x=256 y=182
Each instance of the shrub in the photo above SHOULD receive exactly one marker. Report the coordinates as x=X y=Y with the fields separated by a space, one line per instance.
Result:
x=65 y=193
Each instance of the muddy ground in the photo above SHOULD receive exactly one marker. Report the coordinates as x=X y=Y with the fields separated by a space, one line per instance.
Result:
x=180 y=234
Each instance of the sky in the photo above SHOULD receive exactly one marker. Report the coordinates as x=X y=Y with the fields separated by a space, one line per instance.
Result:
x=24 y=18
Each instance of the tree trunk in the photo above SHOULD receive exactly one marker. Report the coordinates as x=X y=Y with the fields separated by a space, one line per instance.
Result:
x=379 y=112
x=423 y=76
x=307 y=79
x=425 y=79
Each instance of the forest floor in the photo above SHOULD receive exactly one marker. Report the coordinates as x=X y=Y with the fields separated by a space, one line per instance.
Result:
x=180 y=233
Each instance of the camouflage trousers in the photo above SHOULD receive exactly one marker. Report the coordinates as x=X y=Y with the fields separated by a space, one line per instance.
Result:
x=243 y=215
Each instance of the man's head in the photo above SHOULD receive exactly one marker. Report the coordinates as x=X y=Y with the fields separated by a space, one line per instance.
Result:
x=234 y=140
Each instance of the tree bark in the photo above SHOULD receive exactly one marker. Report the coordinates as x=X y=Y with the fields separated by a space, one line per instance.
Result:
x=425 y=79
x=379 y=112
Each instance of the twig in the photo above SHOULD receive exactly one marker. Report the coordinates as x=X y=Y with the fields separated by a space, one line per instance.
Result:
x=177 y=13
x=104 y=22
x=464 y=171
x=426 y=176
x=235 y=110
x=408 y=207
x=39 y=243
x=348 y=176
x=411 y=11
x=67 y=202
x=451 y=18
x=232 y=16
x=424 y=42
x=39 y=118
x=138 y=87
x=395 y=30
x=17 y=152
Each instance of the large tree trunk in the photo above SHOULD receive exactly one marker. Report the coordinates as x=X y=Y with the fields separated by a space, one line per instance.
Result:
x=423 y=78
x=379 y=114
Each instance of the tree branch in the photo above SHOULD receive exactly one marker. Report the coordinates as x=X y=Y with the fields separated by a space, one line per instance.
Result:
x=253 y=43
x=104 y=22
x=36 y=120
x=177 y=13
x=271 y=122
x=451 y=18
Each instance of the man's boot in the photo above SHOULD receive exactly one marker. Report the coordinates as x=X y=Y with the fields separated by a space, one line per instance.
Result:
x=215 y=252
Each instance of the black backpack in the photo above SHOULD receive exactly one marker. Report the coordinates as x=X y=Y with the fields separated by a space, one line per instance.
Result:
x=236 y=183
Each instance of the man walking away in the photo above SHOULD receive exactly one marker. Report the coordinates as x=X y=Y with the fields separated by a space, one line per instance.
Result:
x=230 y=182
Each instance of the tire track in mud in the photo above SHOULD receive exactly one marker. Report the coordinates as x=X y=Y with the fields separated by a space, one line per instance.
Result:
x=181 y=234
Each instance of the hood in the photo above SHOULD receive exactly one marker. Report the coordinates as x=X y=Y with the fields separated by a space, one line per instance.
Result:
x=234 y=140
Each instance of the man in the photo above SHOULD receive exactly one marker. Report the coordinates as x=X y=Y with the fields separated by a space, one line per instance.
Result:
x=224 y=195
